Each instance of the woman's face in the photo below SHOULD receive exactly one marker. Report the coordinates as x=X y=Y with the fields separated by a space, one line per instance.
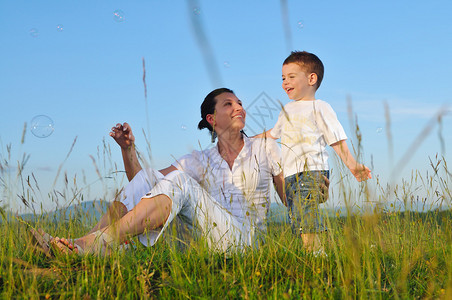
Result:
x=229 y=113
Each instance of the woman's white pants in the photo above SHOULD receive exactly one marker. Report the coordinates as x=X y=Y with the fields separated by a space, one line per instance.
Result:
x=193 y=206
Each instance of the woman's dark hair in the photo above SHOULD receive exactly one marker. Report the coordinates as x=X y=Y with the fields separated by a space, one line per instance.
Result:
x=208 y=107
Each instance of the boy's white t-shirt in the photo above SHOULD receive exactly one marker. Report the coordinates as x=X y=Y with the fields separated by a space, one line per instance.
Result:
x=305 y=129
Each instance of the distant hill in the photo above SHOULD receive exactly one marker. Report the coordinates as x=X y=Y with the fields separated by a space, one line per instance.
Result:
x=83 y=210
x=93 y=210
x=277 y=213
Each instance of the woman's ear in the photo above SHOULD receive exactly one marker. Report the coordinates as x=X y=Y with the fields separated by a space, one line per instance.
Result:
x=210 y=118
x=312 y=79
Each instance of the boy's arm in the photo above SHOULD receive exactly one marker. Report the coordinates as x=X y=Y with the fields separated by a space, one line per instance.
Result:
x=265 y=134
x=122 y=134
x=361 y=172
x=278 y=180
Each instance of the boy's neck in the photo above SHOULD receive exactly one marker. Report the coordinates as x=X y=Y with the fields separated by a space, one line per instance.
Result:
x=304 y=99
x=309 y=96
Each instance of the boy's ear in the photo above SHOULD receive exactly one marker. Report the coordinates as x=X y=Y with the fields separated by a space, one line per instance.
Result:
x=312 y=79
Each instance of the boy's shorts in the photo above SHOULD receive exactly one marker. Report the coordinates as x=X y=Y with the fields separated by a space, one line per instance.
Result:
x=303 y=194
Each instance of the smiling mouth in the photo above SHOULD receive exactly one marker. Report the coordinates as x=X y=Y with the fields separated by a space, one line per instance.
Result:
x=289 y=90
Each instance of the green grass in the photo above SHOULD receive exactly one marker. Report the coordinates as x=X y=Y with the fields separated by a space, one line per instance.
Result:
x=380 y=255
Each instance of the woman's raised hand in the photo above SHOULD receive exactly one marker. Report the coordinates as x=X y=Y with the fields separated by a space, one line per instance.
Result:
x=122 y=134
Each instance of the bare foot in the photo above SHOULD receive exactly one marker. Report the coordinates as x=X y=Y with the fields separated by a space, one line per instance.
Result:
x=69 y=244
x=93 y=243
x=311 y=242
x=59 y=246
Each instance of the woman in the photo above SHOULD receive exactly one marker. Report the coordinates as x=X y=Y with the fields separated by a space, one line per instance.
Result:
x=222 y=192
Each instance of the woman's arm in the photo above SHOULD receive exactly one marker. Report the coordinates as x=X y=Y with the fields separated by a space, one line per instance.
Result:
x=168 y=170
x=265 y=134
x=122 y=134
x=278 y=180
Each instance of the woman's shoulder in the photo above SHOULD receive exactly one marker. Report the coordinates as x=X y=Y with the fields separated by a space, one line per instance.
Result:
x=266 y=151
x=262 y=143
x=196 y=160
x=203 y=155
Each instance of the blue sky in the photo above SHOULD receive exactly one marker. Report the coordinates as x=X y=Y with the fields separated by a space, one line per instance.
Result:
x=74 y=62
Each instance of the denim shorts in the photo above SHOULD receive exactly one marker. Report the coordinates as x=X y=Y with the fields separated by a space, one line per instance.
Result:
x=303 y=199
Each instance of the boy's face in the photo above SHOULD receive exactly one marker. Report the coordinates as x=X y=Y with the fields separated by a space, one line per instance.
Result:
x=297 y=84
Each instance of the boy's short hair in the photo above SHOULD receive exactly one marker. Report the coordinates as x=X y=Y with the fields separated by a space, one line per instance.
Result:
x=308 y=62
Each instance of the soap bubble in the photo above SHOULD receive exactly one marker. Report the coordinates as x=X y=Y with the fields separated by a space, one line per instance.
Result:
x=60 y=27
x=183 y=127
x=300 y=24
x=226 y=64
x=197 y=11
x=41 y=126
x=118 y=15
x=379 y=130
x=34 y=32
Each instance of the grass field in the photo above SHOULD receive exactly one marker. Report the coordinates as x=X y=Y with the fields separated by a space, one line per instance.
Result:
x=379 y=255
x=385 y=252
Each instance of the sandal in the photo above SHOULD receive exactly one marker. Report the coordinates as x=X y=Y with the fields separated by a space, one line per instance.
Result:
x=41 y=241
x=102 y=245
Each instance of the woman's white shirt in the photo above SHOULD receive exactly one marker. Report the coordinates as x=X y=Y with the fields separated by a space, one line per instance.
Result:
x=245 y=190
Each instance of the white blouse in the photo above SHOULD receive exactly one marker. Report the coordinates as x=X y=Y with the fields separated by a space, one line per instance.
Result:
x=245 y=190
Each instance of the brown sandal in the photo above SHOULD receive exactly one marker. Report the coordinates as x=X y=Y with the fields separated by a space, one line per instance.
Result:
x=41 y=240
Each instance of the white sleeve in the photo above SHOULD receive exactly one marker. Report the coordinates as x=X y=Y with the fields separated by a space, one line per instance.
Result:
x=329 y=124
x=190 y=164
x=277 y=129
x=274 y=156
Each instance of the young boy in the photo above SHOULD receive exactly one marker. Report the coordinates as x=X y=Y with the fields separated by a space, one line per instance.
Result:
x=306 y=126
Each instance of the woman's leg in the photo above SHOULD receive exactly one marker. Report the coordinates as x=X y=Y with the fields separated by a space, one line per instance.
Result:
x=148 y=214
x=142 y=183
x=115 y=211
x=176 y=194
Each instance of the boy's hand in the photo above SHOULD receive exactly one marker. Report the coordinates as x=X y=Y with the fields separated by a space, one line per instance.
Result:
x=361 y=172
x=123 y=135
x=324 y=189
